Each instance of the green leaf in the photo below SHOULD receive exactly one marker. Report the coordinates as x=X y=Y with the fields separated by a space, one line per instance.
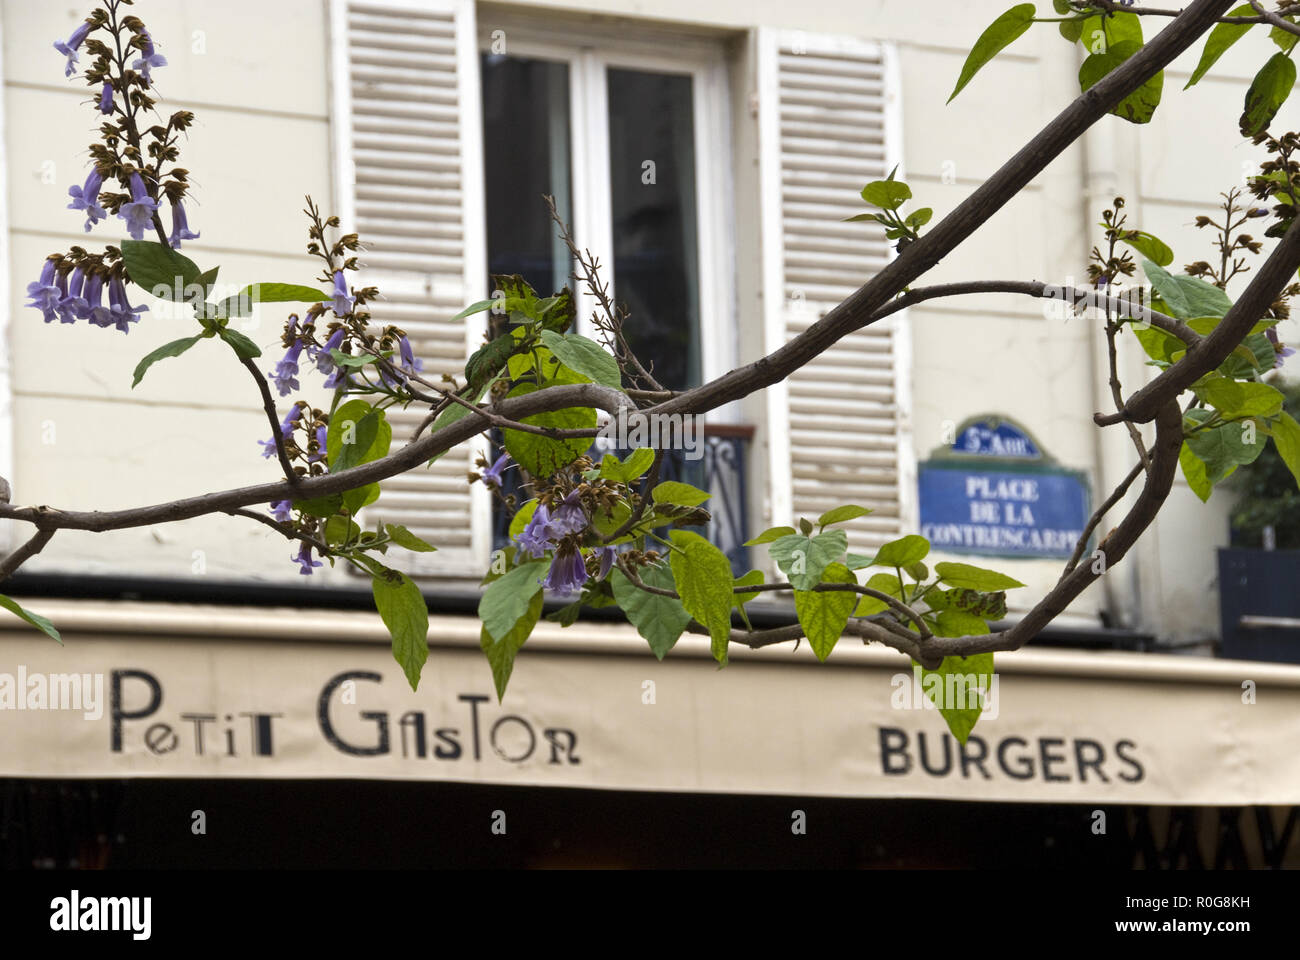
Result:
x=488 y=360
x=1268 y=91
x=902 y=552
x=770 y=534
x=207 y=279
x=355 y=361
x=702 y=574
x=803 y=558
x=636 y=464
x=660 y=620
x=1220 y=39
x=1286 y=437
x=585 y=356
x=1284 y=39
x=406 y=616
x=751 y=579
x=1138 y=106
x=681 y=494
x=341 y=530
x=322 y=507
x=886 y=194
x=173 y=349
x=969 y=675
x=501 y=652
x=974 y=578
x=1150 y=246
x=1194 y=473
x=824 y=614
x=883 y=583
x=159 y=270
x=985 y=606
x=1234 y=399
x=244 y=348
x=405 y=538
x=1188 y=298
x=842 y=514
x=999 y=34
x=370 y=437
x=506 y=599
x=1225 y=447
x=919 y=218
x=542 y=456
x=35 y=619
x=474 y=308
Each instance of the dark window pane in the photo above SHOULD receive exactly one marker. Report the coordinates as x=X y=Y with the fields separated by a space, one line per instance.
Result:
x=655 y=259
x=526 y=155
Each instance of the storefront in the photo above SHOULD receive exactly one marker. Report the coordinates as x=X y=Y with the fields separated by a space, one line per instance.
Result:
x=160 y=728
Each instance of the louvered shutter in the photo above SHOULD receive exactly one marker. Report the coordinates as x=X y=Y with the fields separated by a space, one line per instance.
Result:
x=410 y=177
x=838 y=428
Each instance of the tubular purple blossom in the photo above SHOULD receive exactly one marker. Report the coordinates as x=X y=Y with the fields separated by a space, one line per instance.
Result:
x=606 y=557
x=305 y=561
x=70 y=46
x=122 y=312
x=342 y=303
x=96 y=312
x=286 y=430
x=319 y=455
x=106 y=98
x=569 y=516
x=491 y=477
x=285 y=373
x=324 y=362
x=138 y=213
x=538 y=536
x=86 y=197
x=74 y=307
x=1281 y=349
x=44 y=292
x=180 y=226
x=282 y=510
x=145 y=64
x=568 y=572
x=65 y=305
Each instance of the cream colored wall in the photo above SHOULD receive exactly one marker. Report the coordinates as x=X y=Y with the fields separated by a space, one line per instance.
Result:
x=262 y=140
x=84 y=438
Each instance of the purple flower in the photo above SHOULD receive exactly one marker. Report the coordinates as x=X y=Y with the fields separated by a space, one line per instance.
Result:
x=139 y=213
x=96 y=312
x=286 y=431
x=123 y=313
x=86 y=197
x=409 y=361
x=70 y=46
x=324 y=362
x=146 y=63
x=492 y=475
x=606 y=556
x=319 y=455
x=282 y=510
x=304 y=559
x=106 y=98
x=180 y=226
x=569 y=516
x=342 y=303
x=1279 y=348
x=73 y=307
x=44 y=292
x=285 y=373
x=538 y=536
x=568 y=572
x=66 y=305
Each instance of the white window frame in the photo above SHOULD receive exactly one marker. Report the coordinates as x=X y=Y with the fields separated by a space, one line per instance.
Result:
x=589 y=51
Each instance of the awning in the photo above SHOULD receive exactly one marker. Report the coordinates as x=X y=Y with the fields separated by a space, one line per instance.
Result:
x=153 y=690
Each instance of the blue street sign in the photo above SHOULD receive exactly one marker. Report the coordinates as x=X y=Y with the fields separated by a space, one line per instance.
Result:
x=995 y=493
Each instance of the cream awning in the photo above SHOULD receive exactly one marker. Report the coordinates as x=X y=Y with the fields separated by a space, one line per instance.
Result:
x=244 y=692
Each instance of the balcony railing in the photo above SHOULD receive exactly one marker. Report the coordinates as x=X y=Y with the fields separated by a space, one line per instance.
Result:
x=722 y=470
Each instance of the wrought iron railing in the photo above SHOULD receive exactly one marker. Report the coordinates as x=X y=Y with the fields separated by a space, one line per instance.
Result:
x=721 y=470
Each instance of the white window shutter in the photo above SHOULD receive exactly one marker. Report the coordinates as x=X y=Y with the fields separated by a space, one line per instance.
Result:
x=410 y=178
x=838 y=427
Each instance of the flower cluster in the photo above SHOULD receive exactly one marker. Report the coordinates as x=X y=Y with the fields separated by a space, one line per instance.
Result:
x=73 y=288
x=129 y=152
x=560 y=525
